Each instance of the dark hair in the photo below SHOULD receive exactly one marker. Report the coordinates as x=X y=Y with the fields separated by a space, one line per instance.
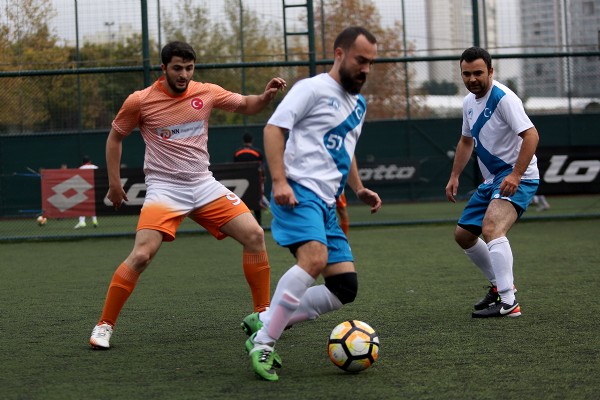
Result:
x=85 y=160
x=348 y=36
x=247 y=138
x=474 y=53
x=177 y=49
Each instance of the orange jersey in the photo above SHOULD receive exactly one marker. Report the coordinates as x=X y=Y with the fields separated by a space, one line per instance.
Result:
x=175 y=129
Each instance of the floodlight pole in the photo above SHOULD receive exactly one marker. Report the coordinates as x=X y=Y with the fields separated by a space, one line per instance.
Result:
x=475 y=7
x=145 y=43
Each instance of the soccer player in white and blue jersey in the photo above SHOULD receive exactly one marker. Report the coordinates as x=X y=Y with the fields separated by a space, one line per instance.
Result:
x=323 y=116
x=496 y=127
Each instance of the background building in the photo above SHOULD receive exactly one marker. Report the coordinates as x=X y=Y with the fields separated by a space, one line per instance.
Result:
x=561 y=26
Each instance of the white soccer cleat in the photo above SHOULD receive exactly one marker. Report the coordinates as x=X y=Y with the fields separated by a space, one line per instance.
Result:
x=80 y=225
x=101 y=336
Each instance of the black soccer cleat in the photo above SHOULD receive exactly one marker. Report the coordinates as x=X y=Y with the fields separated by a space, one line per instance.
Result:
x=492 y=297
x=499 y=310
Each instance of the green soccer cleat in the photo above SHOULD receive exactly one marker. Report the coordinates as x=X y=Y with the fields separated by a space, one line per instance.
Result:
x=251 y=324
x=263 y=359
x=250 y=344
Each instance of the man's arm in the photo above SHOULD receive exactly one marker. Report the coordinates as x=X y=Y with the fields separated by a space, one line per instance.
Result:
x=464 y=149
x=253 y=104
x=509 y=185
x=367 y=196
x=114 y=149
x=274 y=141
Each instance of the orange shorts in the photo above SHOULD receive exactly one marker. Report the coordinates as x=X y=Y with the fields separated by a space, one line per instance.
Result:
x=211 y=216
x=340 y=202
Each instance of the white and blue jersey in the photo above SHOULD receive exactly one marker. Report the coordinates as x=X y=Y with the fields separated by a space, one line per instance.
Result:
x=494 y=122
x=324 y=123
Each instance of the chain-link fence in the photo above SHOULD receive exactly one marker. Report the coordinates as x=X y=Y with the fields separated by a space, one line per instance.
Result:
x=66 y=66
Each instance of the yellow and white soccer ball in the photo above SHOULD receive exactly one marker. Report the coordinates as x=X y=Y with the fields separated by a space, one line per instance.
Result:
x=353 y=346
x=41 y=220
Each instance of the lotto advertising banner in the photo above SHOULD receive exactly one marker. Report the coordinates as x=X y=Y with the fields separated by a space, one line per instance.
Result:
x=388 y=173
x=75 y=192
x=68 y=192
x=569 y=170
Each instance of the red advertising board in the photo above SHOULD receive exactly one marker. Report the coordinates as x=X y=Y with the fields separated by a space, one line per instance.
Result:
x=68 y=192
x=82 y=192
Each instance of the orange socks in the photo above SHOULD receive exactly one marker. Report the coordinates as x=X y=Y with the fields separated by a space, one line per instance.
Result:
x=256 y=270
x=258 y=276
x=122 y=284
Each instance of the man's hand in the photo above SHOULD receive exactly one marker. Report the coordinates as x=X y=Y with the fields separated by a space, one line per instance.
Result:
x=273 y=86
x=117 y=195
x=283 y=194
x=452 y=189
x=510 y=184
x=370 y=198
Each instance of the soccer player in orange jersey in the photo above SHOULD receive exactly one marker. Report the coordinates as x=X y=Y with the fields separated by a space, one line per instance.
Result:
x=172 y=116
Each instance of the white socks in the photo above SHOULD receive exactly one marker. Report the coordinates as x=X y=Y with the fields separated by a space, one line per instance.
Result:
x=291 y=288
x=480 y=255
x=318 y=300
x=502 y=263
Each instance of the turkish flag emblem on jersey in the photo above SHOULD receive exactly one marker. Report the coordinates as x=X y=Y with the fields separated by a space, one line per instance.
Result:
x=68 y=192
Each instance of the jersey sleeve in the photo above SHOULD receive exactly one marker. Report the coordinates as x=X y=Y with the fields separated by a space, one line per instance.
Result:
x=129 y=115
x=224 y=99
x=511 y=108
x=294 y=106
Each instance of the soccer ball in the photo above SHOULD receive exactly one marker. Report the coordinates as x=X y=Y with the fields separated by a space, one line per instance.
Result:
x=353 y=346
x=41 y=220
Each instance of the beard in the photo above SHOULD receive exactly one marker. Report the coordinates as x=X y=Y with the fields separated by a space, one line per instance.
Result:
x=173 y=85
x=352 y=84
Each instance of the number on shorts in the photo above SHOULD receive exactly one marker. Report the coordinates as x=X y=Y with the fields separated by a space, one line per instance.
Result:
x=235 y=200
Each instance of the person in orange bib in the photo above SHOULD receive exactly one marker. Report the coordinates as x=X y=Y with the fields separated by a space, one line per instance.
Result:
x=249 y=153
x=172 y=116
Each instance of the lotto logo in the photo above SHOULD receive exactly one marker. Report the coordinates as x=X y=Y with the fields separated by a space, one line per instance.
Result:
x=579 y=171
x=68 y=192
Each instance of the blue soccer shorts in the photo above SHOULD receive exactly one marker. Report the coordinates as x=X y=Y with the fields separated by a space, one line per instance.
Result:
x=311 y=219
x=475 y=209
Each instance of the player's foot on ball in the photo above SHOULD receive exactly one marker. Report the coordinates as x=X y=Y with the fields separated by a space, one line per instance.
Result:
x=80 y=225
x=499 y=310
x=251 y=323
x=263 y=359
x=101 y=336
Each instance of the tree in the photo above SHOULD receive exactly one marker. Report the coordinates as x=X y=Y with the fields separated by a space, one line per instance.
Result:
x=385 y=89
x=220 y=42
x=26 y=40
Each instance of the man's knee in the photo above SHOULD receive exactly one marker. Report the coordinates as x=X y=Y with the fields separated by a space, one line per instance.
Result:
x=466 y=235
x=343 y=286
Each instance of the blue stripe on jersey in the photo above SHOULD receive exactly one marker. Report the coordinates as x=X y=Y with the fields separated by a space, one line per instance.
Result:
x=494 y=164
x=334 y=140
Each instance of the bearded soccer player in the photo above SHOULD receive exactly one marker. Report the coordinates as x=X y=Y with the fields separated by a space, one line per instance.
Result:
x=172 y=116
x=323 y=117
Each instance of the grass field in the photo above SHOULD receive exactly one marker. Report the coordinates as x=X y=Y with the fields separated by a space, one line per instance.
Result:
x=178 y=337
x=583 y=206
